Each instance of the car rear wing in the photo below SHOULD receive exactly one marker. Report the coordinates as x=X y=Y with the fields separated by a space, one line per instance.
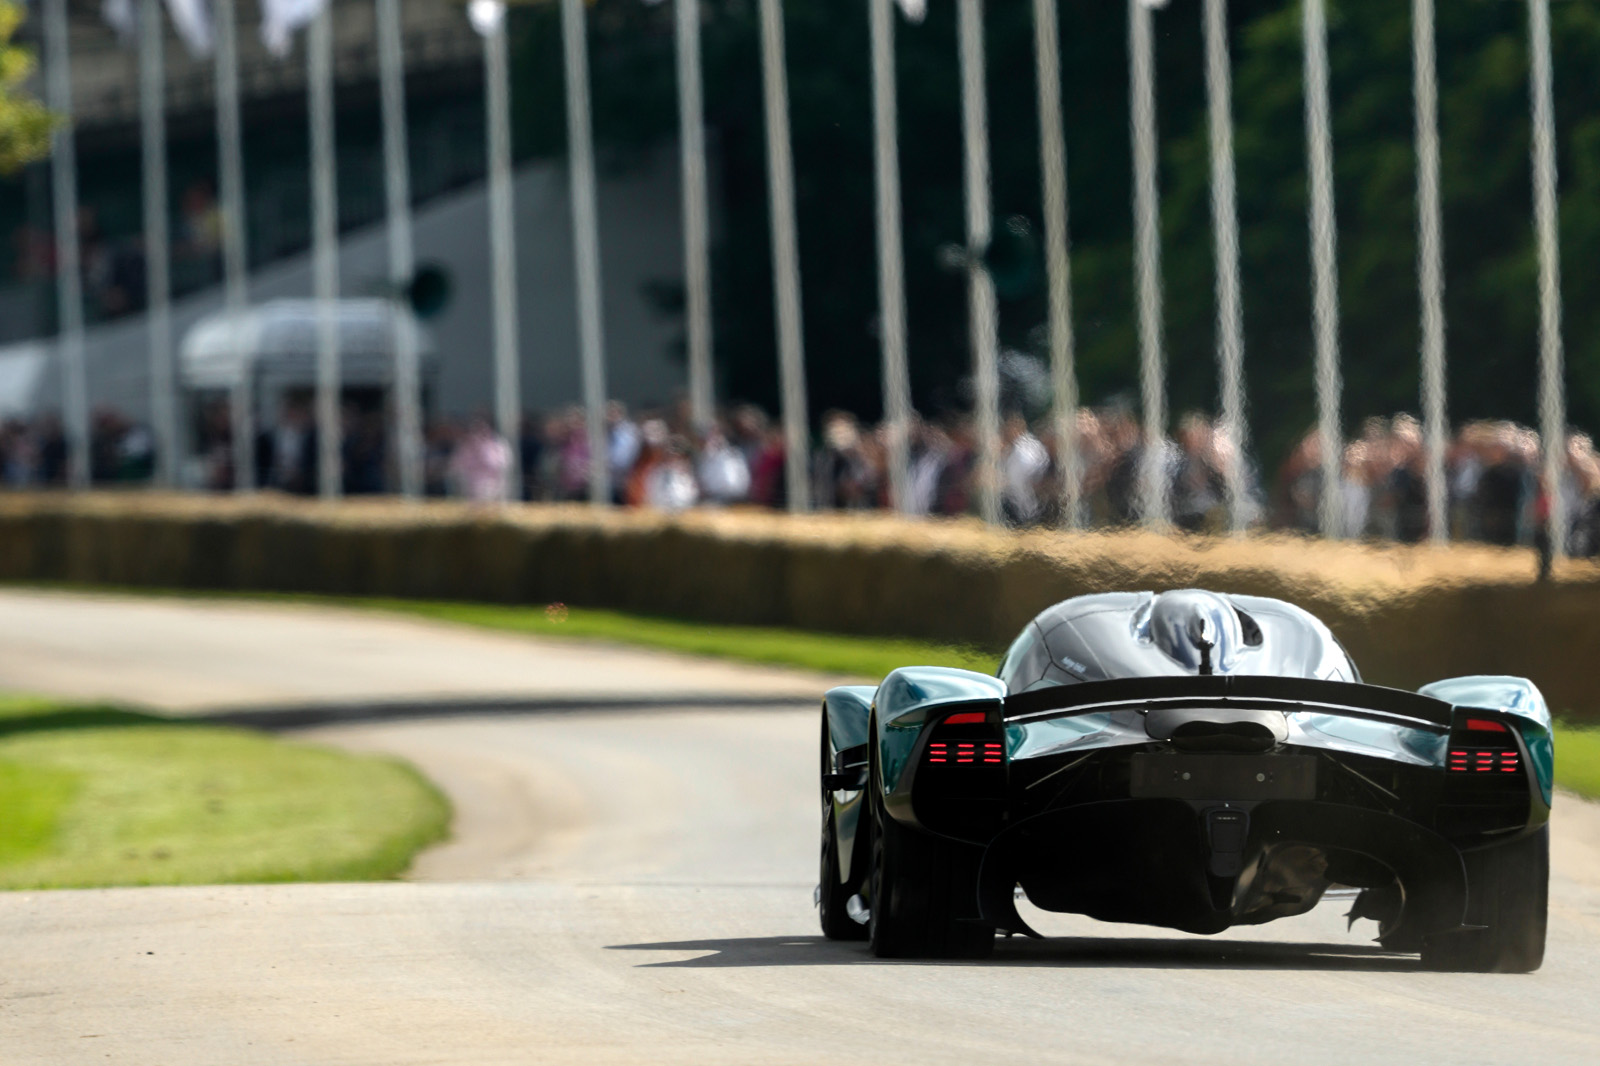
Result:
x=1236 y=692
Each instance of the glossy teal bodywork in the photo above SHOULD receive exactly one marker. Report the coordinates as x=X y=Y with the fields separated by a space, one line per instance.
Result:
x=1516 y=697
x=849 y=709
x=909 y=695
x=849 y=712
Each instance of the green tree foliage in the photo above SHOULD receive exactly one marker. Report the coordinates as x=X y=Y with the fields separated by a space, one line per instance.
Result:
x=1491 y=303
x=24 y=124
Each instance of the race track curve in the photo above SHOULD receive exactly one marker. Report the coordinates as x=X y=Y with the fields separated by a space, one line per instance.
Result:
x=635 y=887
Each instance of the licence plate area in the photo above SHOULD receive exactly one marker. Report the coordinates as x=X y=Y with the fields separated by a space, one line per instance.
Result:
x=1224 y=777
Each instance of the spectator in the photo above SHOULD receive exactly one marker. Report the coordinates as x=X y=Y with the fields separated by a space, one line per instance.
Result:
x=623 y=445
x=1500 y=488
x=724 y=472
x=481 y=464
x=670 y=484
x=530 y=457
x=1198 y=494
x=294 y=459
x=929 y=452
x=842 y=476
x=574 y=476
x=768 y=484
x=1023 y=464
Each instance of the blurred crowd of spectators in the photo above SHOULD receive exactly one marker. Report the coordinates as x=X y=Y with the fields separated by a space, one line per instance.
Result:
x=1495 y=491
x=656 y=459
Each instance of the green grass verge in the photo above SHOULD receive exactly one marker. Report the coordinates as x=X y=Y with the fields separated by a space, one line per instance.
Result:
x=831 y=653
x=1578 y=759
x=95 y=796
x=867 y=658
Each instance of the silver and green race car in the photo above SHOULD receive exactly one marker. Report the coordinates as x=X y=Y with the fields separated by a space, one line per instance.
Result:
x=1190 y=760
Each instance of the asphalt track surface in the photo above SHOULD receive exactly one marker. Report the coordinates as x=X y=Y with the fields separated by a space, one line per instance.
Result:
x=634 y=886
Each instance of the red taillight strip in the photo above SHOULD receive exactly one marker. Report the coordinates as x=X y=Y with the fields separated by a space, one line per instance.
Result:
x=1481 y=760
x=988 y=752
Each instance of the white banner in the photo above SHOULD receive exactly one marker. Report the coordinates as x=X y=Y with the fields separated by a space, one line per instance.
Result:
x=913 y=10
x=280 y=18
x=192 y=20
x=486 y=16
x=120 y=17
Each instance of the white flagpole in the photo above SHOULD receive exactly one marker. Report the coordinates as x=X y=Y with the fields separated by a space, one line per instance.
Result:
x=236 y=280
x=157 y=246
x=785 y=259
x=502 y=247
x=69 y=280
x=1324 y=260
x=1430 y=270
x=1225 y=225
x=397 y=186
x=1147 y=252
x=325 y=251
x=891 y=253
x=982 y=311
x=1552 y=400
x=1058 y=265
x=586 y=244
x=696 y=225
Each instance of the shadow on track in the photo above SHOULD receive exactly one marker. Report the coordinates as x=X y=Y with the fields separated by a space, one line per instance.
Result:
x=1058 y=952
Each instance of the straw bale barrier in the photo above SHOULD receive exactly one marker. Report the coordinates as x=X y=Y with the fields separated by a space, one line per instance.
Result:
x=1407 y=614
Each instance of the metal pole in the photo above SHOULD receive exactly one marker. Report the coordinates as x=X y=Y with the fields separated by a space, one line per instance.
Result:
x=1225 y=225
x=157 y=245
x=1058 y=265
x=982 y=311
x=397 y=187
x=1324 y=260
x=1430 y=271
x=785 y=259
x=325 y=251
x=696 y=212
x=1552 y=399
x=891 y=253
x=502 y=247
x=236 y=280
x=586 y=244
x=69 y=279
x=1147 y=255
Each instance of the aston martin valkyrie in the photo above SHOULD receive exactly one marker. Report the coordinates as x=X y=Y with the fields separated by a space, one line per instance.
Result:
x=1191 y=760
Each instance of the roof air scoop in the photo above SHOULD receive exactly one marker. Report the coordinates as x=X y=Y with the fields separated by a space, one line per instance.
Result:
x=1199 y=631
x=1203 y=637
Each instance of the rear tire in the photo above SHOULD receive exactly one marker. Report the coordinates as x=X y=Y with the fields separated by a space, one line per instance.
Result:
x=832 y=893
x=1508 y=892
x=923 y=890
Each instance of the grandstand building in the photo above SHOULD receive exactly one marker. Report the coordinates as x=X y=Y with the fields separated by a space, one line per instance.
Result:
x=639 y=216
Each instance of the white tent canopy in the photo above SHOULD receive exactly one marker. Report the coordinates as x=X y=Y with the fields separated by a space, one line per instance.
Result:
x=275 y=344
x=22 y=368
